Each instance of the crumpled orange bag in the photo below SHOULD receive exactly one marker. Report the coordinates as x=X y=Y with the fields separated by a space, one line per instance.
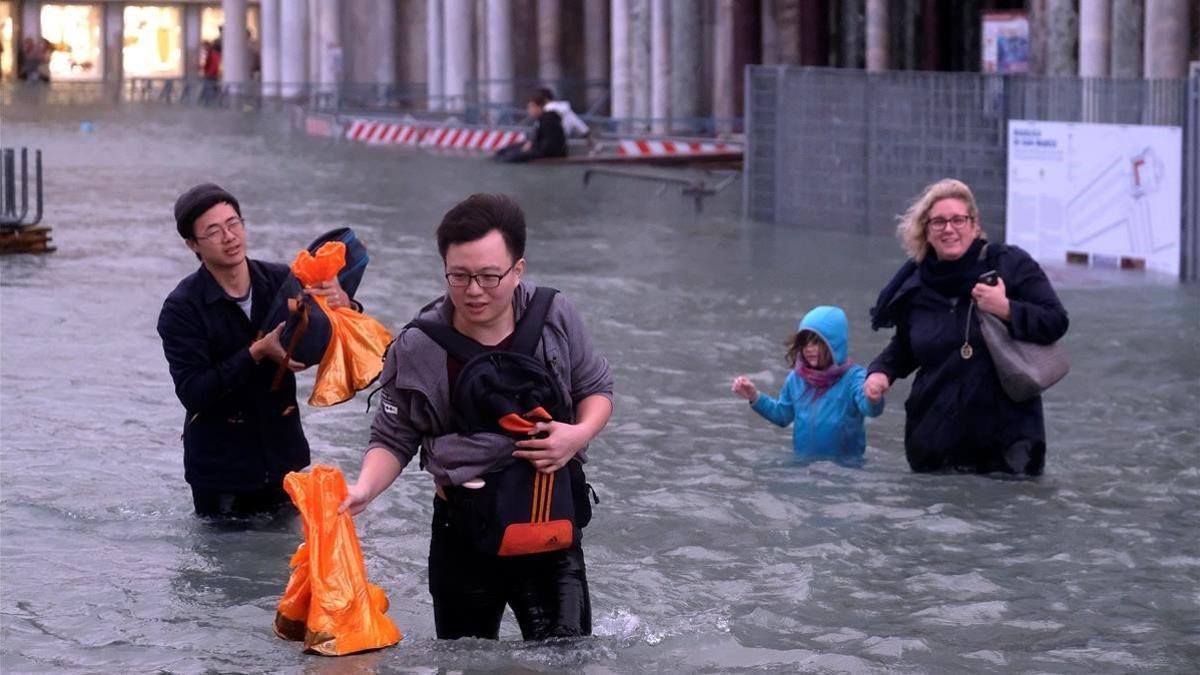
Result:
x=354 y=356
x=328 y=603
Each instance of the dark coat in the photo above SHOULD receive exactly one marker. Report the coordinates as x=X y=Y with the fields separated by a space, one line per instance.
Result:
x=957 y=416
x=238 y=435
x=549 y=139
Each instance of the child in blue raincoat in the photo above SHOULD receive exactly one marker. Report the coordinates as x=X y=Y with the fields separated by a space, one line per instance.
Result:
x=823 y=396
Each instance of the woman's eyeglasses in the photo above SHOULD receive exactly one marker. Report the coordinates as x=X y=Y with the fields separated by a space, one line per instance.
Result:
x=938 y=224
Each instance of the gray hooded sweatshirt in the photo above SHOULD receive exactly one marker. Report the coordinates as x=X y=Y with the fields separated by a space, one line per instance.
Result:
x=415 y=412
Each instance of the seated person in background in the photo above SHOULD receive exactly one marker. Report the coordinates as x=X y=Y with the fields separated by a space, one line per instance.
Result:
x=547 y=138
x=572 y=125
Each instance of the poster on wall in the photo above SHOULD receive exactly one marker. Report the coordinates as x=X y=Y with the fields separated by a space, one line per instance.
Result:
x=1103 y=194
x=1005 y=42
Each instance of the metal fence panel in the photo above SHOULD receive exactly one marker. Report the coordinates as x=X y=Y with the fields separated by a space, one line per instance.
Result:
x=1190 y=241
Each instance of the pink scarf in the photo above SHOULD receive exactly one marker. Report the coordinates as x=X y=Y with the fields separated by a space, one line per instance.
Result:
x=819 y=381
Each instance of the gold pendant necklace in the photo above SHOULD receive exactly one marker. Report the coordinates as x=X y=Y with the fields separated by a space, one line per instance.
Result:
x=966 y=351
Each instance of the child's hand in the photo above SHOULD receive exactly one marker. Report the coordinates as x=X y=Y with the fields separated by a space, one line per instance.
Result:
x=743 y=387
x=876 y=386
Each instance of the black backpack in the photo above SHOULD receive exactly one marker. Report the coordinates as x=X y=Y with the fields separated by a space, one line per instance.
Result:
x=518 y=511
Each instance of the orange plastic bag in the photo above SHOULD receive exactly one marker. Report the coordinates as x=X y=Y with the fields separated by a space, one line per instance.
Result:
x=328 y=603
x=354 y=356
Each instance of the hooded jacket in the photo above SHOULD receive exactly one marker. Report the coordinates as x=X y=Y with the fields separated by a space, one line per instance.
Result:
x=416 y=413
x=957 y=416
x=831 y=427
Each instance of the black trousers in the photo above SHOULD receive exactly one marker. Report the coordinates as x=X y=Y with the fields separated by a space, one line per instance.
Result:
x=548 y=593
x=218 y=504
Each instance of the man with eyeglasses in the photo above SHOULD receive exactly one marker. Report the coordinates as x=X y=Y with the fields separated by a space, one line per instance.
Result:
x=240 y=437
x=482 y=244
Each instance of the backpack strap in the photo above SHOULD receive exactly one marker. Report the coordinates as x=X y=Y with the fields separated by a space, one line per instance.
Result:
x=529 y=329
x=526 y=334
x=458 y=346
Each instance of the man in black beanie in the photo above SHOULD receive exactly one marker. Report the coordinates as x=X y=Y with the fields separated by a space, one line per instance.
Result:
x=240 y=437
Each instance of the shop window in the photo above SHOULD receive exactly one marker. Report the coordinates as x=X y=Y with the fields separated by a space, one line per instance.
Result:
x=72 y=36
x=8 y=62
x=153 y=42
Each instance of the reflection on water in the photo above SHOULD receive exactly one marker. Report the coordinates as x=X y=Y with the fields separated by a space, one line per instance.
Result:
x=711 y=549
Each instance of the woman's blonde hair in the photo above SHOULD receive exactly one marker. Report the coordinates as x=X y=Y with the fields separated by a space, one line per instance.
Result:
x=911 y=230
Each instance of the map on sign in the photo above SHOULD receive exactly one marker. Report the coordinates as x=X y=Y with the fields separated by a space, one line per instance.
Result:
x=1096 y=193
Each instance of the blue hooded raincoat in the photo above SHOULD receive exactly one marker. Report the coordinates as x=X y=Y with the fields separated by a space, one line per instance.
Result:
x=832 y=426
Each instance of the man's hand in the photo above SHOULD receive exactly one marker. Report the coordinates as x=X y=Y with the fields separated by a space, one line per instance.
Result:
x=552 y=453
x=269 y=346
x=356 y=500
x=332 y=291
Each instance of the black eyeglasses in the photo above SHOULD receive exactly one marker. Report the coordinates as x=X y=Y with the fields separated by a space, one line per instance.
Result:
x=232 y=226
x=938 y=224
x=462 y=279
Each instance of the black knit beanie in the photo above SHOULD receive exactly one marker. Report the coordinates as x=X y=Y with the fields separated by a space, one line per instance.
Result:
x=193 y=203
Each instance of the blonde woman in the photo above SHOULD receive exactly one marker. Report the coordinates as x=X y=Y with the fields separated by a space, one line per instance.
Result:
x=957 y=416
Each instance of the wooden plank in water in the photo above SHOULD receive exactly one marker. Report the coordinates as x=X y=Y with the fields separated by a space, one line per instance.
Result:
x=28 y=240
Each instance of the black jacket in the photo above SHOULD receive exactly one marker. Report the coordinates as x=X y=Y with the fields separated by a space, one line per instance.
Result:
x=957 y=416
x=237 y=435
x=549 y=139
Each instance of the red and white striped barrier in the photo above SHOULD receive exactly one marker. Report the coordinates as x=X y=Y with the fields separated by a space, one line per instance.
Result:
x=464 y=138
x=380 y=133
x=320 y=126
x=428 y=136
x=642 y=147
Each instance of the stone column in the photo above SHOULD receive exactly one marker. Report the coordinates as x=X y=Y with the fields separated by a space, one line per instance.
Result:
x=549 y=19
x=1060 y=26
x=191 y=41
x=112 y=49
x=31 y=25
x=293 y=49
x=1126 y=43
x=383 y=36
x=436 y=54
x=411 y=36
x=877 y=35
x=724 y=82
x=315 y=48
x=1166 y=41
x=686 y=51
x=269 y=45
x=329 y=29
x=235 y=53
x=368 y=30
x=639 y=59
x=1094 y=34
x=660 y=65
x=770 y=33
x=850 y=47
x=595 y=48
x=787 y=26
x=500 y=51
x=460 y=51
x=622 y=85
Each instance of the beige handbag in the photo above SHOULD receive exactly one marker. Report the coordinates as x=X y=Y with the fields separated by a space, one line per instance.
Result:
x=1026 y=369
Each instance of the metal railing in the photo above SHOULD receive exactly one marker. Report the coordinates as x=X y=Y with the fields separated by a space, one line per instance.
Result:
x=10 y=217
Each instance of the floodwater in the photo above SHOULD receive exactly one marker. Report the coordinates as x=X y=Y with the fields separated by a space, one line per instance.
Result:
x=711 y=551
